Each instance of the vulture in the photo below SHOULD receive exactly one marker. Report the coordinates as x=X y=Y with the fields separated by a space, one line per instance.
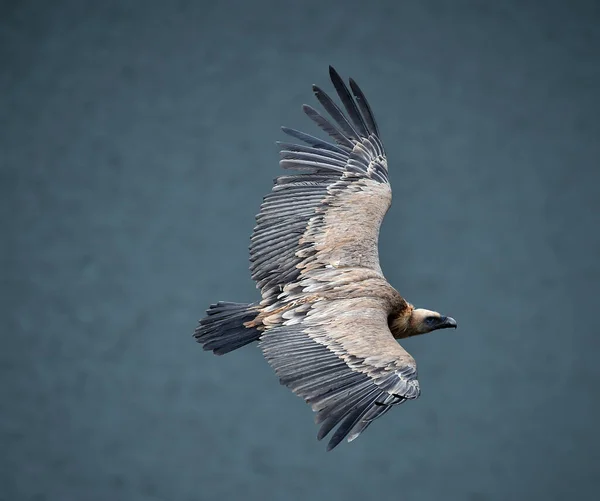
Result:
x=328 y=321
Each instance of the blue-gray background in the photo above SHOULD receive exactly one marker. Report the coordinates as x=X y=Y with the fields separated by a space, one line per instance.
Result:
x=137 y=139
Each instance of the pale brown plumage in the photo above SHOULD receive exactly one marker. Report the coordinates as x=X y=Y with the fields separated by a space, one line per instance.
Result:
x=328 y=317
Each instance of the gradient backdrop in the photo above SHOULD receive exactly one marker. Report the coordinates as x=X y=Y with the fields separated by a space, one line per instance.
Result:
x=136 y=142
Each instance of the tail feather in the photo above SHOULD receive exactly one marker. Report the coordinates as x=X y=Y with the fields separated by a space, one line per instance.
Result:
x=223 y=329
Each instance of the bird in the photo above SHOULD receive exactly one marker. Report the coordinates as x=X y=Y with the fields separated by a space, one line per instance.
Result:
x=328 y=322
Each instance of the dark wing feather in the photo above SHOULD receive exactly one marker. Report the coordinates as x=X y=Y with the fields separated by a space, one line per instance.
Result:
x=313 y=141
x=328 y=127
x=365 y=109
x=329 y=214
x=351 y=371
x=348 y=102
x=335 y=113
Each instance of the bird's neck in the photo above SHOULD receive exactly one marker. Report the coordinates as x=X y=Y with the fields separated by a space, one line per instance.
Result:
x=401 y=325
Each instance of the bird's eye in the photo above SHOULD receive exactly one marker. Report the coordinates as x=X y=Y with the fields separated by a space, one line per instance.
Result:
x=431 y=320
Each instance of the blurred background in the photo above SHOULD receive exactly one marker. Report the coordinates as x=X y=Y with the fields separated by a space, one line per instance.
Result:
x=136 y=142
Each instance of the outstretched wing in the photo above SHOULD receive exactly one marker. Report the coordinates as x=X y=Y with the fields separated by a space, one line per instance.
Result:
x=342 y=359
x=329 y=214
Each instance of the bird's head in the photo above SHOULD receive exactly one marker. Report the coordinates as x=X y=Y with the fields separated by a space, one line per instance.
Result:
x=422 y=321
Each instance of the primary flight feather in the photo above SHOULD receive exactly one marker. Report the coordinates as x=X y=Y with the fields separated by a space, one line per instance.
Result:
x=328 y=319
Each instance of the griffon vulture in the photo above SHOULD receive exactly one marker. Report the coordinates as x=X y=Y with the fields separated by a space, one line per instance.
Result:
x=328 y=320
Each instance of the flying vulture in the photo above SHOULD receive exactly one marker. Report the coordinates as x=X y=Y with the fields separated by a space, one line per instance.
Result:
x=328 y=319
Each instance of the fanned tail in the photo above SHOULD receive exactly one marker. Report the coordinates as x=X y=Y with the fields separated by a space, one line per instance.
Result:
x=223 y=329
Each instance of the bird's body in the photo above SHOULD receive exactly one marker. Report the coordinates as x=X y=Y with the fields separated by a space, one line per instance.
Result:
x=328 y=317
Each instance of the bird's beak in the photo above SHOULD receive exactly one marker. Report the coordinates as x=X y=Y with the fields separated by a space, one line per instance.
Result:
x=447 y=322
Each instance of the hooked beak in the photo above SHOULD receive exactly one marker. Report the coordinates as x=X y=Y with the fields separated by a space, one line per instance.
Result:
x=447 y=322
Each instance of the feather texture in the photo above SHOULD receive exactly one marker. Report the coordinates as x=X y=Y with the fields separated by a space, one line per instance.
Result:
x=331 y=364
x=342 y=188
